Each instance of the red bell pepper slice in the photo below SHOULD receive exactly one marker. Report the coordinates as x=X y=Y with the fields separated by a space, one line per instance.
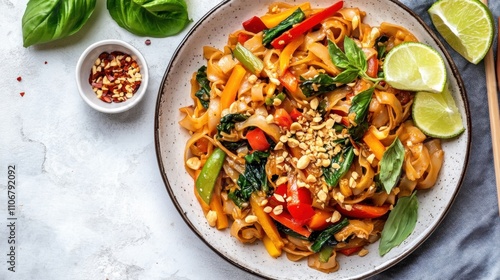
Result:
x=372 y=69
x=257 y=139
x=299 y=203
x=282 y=118
x=280 y=190
x=350 y=251
x=254 y=25
x=243 y=37
x=363 y=211
x=289 y=81
x=288 y=221
x=295 y=114
x=299 y=29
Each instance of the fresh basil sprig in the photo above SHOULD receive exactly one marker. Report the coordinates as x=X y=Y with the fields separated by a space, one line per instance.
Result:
x=359 y=106
x=391 y=165
x=400 y=223
x=353 y=61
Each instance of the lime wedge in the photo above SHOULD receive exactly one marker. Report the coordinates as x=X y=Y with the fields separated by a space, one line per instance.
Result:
x=436 y=114
x=467 y=25
x=416 y=67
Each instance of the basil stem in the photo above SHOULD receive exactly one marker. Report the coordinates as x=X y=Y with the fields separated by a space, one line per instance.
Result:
x=400 y=223
x=391 y=165
x=270 y=34
x=327 y=234
x=359 y=106
x=344 y=159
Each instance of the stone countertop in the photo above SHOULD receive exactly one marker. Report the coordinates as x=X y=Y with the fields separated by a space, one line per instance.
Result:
x=90 y=201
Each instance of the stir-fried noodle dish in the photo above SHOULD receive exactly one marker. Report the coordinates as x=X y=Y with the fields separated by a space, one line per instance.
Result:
x=297 y=142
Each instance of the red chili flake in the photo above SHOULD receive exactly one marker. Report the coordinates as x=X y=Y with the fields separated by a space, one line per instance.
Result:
x=21 y=93
x=46 y=62
x=19 y=78
x=148 y=42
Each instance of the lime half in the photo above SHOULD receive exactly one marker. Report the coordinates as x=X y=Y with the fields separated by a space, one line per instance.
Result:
x=467 y=25
x=416 y=67
x=437 y=115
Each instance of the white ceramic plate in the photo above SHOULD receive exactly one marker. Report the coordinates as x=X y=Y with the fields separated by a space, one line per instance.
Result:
x=170 y=139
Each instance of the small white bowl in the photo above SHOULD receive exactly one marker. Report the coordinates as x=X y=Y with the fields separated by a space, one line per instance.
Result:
x=84 y=66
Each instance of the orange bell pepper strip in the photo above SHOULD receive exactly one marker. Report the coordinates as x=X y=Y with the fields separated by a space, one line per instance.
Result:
x=374 y=144
x=233 y=84
x=319 y=219
x=271 y=20
x=289 y=81
x=266 y=222
x=216 y=205
x=287 y=53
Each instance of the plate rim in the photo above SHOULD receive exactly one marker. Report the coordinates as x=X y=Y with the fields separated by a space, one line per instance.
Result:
x=389 y=263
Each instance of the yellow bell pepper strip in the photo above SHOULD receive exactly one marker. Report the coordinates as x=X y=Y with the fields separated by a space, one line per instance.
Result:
x=251 y=62
x=266 y=222
x=233 y=84
x=287 y=53
x=271 y=20
x=271 y=249
x=301 y=28
x=374 y=144
x=205 y=182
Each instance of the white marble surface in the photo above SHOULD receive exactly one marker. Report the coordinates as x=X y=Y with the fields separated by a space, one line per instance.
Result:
x=90 y=200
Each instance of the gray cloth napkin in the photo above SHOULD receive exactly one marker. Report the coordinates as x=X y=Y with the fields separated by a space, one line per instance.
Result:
x=466 y=245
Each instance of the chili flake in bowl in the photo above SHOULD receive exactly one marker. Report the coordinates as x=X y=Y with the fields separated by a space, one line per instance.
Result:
x=112 y=76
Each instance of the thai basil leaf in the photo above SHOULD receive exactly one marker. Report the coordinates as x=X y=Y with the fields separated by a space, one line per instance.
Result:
x=400 y=223
x=391 y=165
x=344 y=159
x=253 y=179
x=203 y=94
x=347 y=76
x=338 y=57
x=227 y=122
x=327 y=234
x=234 y=146
x=320 y=84
x=355 y=55
x=47 y=20
x=270 y=34
x=359 y=106
x=152 y=18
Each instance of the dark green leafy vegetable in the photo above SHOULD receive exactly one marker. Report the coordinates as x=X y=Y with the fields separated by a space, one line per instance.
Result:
x=203 y=94
x=270 y=34
x=359 y=106
x=400 y=223
x=344 y=159
x=227 y=122
x=391 y=165
x=320 y=84
x=253 y=179
x=47 y=20
x=289 y=231
x=327 y=234
x=154 y=18
x=233 y=146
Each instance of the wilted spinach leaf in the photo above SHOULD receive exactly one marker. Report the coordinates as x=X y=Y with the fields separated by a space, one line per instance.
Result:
x=254 y=178
x=227 y=122
x=203 y=94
